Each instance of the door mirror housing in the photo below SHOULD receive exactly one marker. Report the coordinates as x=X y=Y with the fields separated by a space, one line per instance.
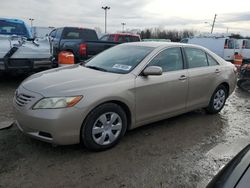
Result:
x=152 y=71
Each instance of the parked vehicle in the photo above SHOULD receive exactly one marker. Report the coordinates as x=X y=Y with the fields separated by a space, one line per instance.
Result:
x=156 y=40
x=122 y=88
x=236 y=174
x=82 y=42
x=18 y=51
x=244 y=49
x=244 y=77
x=121 y=37
x=222 y=46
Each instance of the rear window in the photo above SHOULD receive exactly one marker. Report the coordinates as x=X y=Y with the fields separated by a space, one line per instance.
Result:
x=13 y=28
x=78 y=33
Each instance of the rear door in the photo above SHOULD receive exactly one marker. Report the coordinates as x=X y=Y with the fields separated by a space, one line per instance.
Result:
x=203 y=75
x=160 y=96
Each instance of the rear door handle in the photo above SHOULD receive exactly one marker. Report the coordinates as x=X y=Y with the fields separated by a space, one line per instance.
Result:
x=183 y=77
x=217 y=71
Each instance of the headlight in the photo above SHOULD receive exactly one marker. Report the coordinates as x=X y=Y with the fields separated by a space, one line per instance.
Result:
x=57 y=102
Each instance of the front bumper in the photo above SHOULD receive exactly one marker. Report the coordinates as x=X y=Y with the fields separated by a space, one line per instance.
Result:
x=24 y=64
x=57 y=126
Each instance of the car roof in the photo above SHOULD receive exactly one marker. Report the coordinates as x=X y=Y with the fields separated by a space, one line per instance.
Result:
x=124 y=34
x=162 y=44
x=12 y=20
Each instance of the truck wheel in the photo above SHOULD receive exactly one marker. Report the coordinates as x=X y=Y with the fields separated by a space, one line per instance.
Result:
x=104 y=127
x=217 y=100
x=244 y=84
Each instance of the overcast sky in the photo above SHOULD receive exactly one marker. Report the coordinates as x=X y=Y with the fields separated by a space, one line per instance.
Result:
x=137 y=14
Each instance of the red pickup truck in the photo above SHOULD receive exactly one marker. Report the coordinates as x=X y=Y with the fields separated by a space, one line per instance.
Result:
x=121 y=37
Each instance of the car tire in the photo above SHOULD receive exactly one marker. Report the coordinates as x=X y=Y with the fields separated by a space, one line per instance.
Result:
x=217 y=100
x=244 y=84
x=104 y=127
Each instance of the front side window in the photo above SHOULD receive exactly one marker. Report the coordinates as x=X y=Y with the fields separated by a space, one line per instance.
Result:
x=105 y=38
x=121 y=39
x=53 y=34
x=169 y=60
x=111 y=38
x=229 y=44
x=196 y=58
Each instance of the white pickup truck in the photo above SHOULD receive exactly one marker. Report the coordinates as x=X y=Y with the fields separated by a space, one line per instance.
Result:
x=18 y=51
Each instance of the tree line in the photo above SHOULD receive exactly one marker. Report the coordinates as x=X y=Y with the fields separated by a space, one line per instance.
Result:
x=173 y=35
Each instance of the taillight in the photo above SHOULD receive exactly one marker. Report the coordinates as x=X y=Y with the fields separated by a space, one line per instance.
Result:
x=83 y=49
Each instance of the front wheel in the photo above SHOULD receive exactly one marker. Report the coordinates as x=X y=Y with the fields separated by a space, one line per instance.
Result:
x=217 y=100
x=104 y=127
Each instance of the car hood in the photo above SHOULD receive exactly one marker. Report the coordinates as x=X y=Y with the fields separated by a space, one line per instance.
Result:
x=67 y=80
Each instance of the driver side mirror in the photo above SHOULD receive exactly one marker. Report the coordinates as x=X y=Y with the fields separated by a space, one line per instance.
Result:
x=152 y=71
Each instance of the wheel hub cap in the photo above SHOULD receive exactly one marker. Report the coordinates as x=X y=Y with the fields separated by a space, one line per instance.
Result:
x=107 y=128
x=219 y=99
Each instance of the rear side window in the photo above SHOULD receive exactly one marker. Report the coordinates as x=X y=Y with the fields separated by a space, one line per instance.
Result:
x=196 y=58
x=211 y=61
x=169 y=60
x=134 y=39
x=111 y=38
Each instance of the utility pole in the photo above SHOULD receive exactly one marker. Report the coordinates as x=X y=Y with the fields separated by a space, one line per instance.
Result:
x=123 y=25
x=213 y=23
x=31 y=22
x=106 y=8
x=31 y=26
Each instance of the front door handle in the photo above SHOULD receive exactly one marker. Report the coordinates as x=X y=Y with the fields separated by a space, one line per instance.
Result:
x=183 y=77
x=217 y=71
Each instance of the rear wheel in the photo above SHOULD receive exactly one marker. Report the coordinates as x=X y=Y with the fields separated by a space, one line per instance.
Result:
x=104 y=127
x=217 y=100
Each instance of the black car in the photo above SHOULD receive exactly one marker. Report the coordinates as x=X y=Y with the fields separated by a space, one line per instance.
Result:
x=236 y=174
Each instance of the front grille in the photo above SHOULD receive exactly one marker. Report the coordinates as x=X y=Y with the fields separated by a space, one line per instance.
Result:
x=23 y=99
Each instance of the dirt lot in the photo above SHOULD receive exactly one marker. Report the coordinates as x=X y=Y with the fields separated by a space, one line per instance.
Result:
x=186 y=151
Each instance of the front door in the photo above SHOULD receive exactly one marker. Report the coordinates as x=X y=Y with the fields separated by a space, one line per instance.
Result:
x=160 y=96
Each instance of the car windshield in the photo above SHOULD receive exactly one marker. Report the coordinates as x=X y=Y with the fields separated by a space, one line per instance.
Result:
x=120 y=59
x=12 y=28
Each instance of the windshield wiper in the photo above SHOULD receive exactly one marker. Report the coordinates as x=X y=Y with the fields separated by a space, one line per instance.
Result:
x=96 y=68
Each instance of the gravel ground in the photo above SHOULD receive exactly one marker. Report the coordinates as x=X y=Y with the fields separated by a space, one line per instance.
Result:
x=185 y=151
